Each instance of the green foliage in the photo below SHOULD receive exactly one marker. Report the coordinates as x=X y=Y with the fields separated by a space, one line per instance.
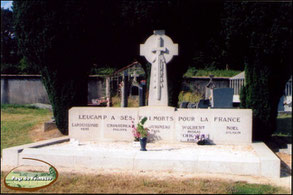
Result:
x=55 y=39
x=63 y=40
x=143 y=120
x=266 y=33
x=9 y=53
x=143 y=132
x=103 y=71
x=21 y=68
x=25 y=68
x=11 y=107
x=9 y=69
x=192 y=71
x=243 y=188
x=52 y=172
x=186 y=96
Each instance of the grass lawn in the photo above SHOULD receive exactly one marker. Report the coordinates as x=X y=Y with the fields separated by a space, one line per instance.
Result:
x=118 y=183
x=132 y=101
x=17 y=121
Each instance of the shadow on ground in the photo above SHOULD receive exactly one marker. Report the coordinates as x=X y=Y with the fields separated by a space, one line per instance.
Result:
x=281 y=142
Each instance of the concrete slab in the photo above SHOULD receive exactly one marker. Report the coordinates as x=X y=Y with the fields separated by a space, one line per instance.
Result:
x=270 y=164
x=11 y=155
x=254 y=159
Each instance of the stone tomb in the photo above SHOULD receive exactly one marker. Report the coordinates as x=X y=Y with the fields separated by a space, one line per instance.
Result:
x=166 y=124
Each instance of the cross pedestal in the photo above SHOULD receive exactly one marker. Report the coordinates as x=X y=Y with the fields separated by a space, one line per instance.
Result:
x=158 y=49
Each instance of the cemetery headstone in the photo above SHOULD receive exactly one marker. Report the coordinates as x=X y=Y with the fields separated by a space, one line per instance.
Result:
x=223 y=98
x=191 y=105
x=209 y=90
x=184 y=104
x=124 y=90
x=134 y=78
x=134 y=85
x=281 y=104
x=158 y=49
x=141 y=93
x=108 y=91
x=203 y=104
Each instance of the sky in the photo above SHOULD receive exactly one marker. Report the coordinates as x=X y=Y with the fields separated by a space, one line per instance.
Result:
x=6 y=4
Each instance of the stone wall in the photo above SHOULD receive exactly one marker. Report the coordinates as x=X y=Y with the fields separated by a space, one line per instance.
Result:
x=28 y=89
x=197 y=84
x=23 y=89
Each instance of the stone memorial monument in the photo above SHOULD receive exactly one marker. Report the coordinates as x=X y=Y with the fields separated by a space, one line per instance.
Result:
x=101 y=137
x=158 y=49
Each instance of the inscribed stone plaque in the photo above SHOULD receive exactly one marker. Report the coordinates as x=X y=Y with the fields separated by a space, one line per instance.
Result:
x=160 y=122
x=231 y=126
x=192 y=122
x=221 y=126
x=118 y=124
x=85 y=123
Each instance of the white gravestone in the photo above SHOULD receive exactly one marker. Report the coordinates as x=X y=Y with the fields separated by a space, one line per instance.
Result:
x=158 y=49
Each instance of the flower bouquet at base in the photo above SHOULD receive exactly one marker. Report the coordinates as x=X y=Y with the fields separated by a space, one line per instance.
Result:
x=201 y=139
x=135 y=133
x=140 y=133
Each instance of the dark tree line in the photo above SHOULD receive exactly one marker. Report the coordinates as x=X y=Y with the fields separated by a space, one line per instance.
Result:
x=64 y=38
x=264 y=32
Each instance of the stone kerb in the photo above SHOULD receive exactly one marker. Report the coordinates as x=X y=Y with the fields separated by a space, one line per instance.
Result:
x=221 y=126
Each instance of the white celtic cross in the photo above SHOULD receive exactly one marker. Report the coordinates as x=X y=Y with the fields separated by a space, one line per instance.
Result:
x=158 y=49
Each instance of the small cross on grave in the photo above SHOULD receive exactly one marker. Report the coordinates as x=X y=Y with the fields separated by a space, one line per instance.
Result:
x=134 y=75
x=158 y=49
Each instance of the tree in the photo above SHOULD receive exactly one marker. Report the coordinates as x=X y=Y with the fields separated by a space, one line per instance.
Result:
x=55 y=38
x=62 y=39
x=9 y=55
x=263 y=34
